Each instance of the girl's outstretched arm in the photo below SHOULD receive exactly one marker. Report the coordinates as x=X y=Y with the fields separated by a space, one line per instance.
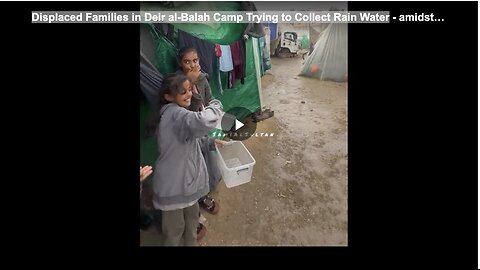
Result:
x=198 y=124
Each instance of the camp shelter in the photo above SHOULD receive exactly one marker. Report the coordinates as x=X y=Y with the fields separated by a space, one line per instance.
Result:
x=328 y=61
x=304 y=42
x=274 y=39
x=159 y=47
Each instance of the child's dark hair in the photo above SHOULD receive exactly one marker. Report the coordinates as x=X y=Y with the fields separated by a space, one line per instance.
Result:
x=182 y=53
x=172 y=85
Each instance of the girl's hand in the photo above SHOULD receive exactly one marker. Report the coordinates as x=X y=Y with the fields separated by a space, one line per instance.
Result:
x=145 y=172
x=220 y=143
x=197 y=68
x=194 y=73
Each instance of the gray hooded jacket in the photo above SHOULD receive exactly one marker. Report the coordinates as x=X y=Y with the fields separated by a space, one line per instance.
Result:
x=180 y=174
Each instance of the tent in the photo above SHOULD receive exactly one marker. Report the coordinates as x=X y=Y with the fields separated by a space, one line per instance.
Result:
x=304 y=42
x=159 y=45
x=328 y=61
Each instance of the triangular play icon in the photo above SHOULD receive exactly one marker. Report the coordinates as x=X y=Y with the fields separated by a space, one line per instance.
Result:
x=238 y=125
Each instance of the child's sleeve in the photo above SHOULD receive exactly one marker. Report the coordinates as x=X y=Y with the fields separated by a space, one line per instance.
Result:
x=207 y=143
x=208 y=92
x=198 y=124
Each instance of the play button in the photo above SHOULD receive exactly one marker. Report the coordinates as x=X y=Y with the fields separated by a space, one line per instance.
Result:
x=237 y=124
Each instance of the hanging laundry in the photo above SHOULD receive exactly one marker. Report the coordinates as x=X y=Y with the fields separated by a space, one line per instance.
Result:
x=238 y=56
x=264 y=54
x=226 y=63
x=206 y=50
x=218 y=54
x=218 y=50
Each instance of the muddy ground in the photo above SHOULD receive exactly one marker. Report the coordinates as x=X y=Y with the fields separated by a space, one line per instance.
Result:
x=298 y=192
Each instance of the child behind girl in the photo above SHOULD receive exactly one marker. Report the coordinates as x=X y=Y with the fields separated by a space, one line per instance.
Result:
x=180 y=176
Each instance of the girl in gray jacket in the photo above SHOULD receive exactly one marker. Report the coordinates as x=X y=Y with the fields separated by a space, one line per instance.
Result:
x=180 y=176
x=189 y=65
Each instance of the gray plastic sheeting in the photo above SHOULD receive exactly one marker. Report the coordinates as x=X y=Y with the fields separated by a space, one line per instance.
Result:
x=328 y=61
